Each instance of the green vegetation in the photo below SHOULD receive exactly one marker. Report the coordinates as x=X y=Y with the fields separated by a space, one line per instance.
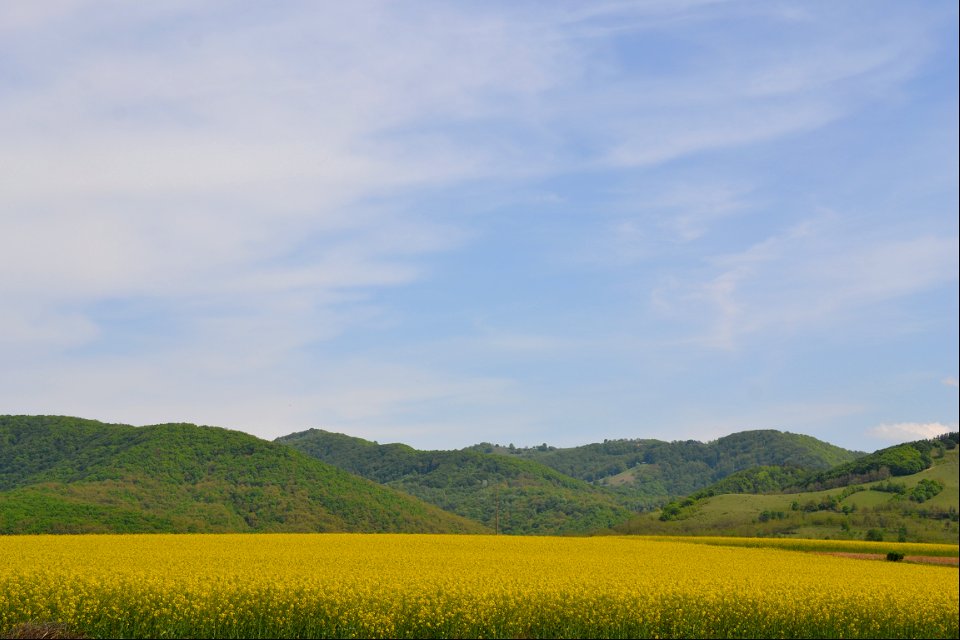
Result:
x=925 y=490
x=934 y=550
x=66 y=475
x=768 y=479
x=921 y=506
x=900 y=460
x=506 y=494
x=648 y=473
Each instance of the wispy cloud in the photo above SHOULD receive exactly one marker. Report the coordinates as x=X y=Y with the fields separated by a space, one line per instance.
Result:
x=950 y=381
x=814 y=418
x=904 y=431
x=206 y=211
x=198 y=164
x=804 y=279
x=690 y=210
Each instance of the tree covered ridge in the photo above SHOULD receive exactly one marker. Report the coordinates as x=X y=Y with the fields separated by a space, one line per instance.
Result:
x=546 y=489
x=648 y=473
x=61 y=474
x=507 y=494
x=898 y=460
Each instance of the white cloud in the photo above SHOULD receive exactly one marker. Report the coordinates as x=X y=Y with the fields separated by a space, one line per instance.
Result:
x=226 y=162
x=243 y=183
x=22 y=328
x=20 y=15
x=950 y=381
x=235 y=382
x=905 y=431
x=817 y=418
x=812 y=276
x=666 y=137
x=735 y=94
x=691 y=209
x=686 y=209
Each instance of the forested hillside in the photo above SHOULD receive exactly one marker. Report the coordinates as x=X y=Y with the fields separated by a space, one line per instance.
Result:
x=508 y=494
x=647 y=473
x=905 y=492
x=899 y=460
x=67 y=475
x=61 y=474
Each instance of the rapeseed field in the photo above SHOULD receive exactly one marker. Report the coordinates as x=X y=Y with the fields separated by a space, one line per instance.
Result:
x=353 y=585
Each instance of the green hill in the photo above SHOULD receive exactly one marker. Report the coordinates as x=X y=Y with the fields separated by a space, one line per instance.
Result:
x=873 y=498
x=647 y=473
x=899 y=460
x=67 y=475
x=60 y=474
x=508 y=494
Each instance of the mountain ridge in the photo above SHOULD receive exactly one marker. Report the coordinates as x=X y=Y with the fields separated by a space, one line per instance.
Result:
x=553 y=490
x=508 y=495
x=63 y=474
x=908 y=492
x=648 y=472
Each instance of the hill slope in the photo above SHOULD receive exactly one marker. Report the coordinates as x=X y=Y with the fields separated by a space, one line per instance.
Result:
x=650 y=472
x=508 y=494
x=67 y=475
x=874 y=497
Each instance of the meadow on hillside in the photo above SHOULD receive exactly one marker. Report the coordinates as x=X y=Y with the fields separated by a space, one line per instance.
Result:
x=917 y=507
x=411 y=585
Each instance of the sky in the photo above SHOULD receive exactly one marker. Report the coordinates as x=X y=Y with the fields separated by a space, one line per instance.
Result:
x=443 y=223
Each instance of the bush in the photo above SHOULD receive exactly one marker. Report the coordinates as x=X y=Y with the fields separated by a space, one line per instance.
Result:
x=670 y=512
x=771 y=515
x=874 y=535
x=890 y=487
x=894 y=556
x=925 y=490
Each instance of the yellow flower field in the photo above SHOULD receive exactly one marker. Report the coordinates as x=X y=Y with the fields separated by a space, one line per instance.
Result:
x=353 y=585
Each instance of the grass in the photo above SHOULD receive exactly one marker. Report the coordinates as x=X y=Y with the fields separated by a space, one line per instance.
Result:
x=894 y=516
x=808 y=545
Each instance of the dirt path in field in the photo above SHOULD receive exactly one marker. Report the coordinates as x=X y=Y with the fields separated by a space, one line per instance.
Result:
x=880 y=556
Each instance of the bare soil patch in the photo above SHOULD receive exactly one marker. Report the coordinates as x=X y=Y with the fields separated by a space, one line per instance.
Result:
x=42 y=631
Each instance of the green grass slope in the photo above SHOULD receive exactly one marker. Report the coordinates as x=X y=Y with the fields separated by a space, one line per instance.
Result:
x=507 y=494
x=648 y=473
x=889 y=507
x=899 y=460
x=68 y=475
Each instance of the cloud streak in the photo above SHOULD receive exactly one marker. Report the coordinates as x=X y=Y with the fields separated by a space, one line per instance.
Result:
x=905 y=431
x=803 y=279
x=223 y=212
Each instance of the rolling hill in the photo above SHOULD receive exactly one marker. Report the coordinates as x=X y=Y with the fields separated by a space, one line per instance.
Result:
x=647 y=473
x=68 y=475
x=907 y=492
x=508 y=494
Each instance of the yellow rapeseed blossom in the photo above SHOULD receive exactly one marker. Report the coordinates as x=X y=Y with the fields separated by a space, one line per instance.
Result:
x=352 y=586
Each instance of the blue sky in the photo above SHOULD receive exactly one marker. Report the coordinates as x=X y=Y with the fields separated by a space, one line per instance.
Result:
x=445 y=223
